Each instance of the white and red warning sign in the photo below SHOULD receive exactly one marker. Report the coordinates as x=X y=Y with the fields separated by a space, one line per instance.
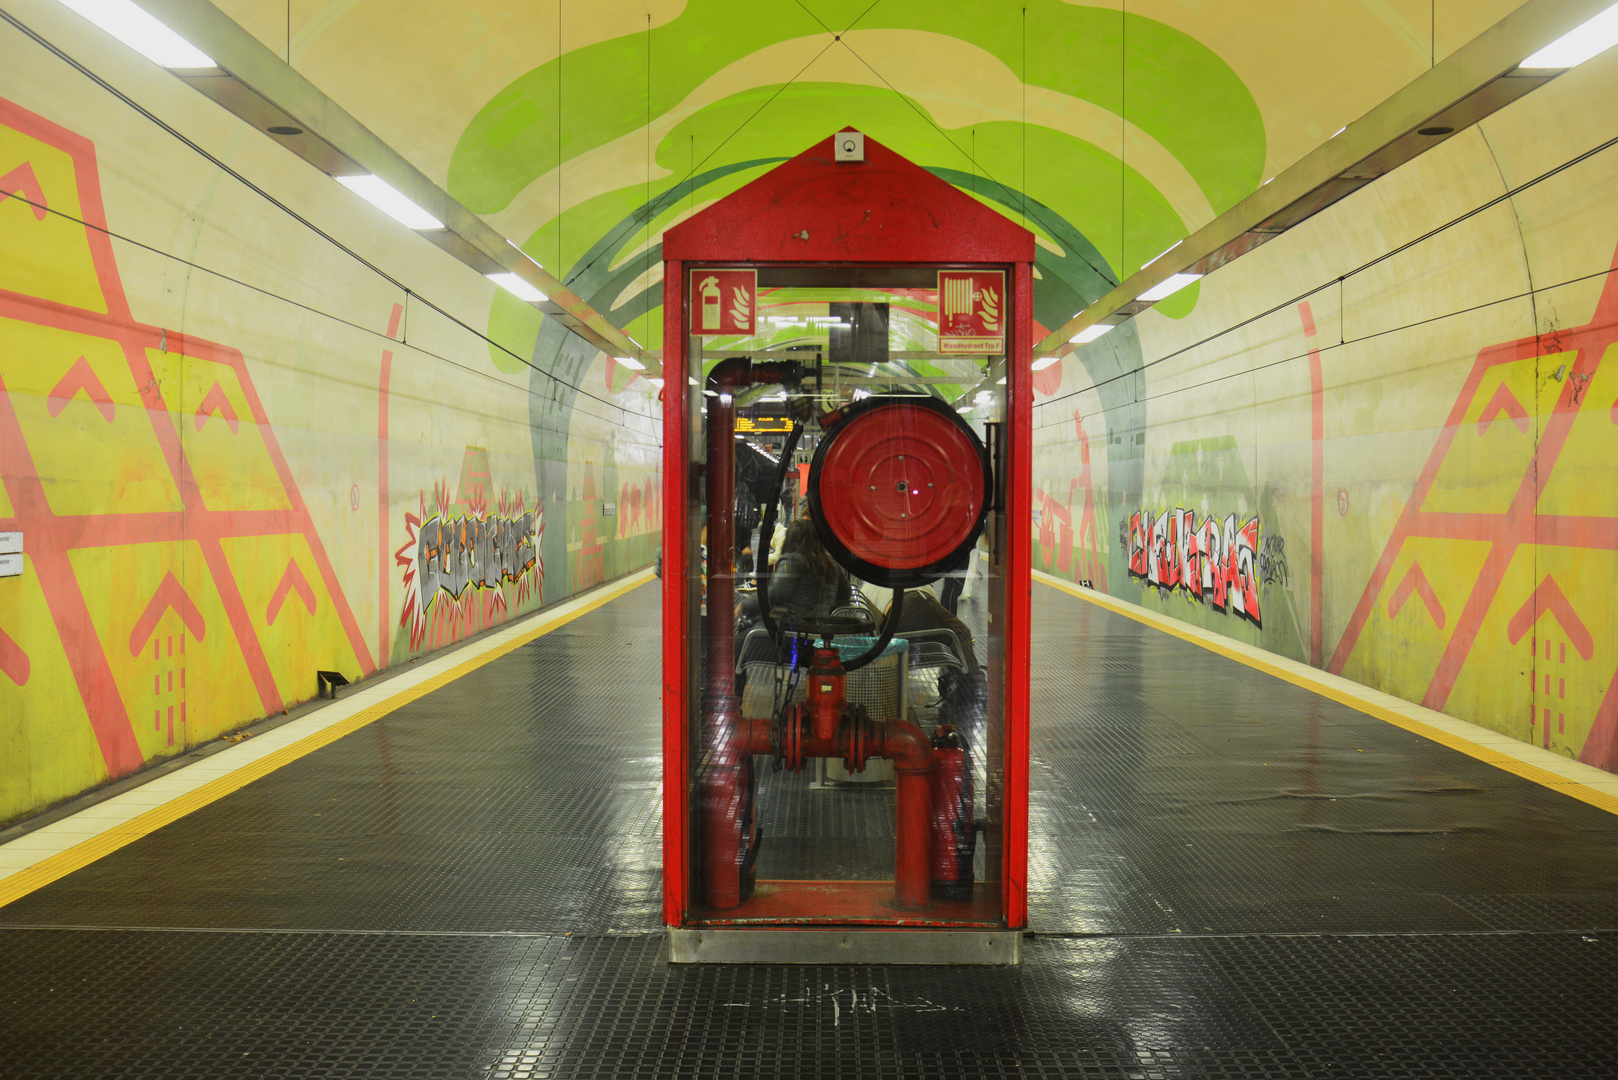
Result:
x=724 y=302
x=972 y=311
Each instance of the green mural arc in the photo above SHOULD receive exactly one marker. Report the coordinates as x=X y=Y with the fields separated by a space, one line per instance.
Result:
x=1178 y=91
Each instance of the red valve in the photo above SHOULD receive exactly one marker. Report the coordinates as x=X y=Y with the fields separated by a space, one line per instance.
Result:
x=828 y=685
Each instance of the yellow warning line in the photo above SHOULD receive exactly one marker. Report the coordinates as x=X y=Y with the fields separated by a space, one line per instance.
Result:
x=82 y=854
x=1398 y=713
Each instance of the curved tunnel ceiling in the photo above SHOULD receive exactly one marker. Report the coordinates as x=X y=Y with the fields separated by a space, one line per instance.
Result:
x=582 y=130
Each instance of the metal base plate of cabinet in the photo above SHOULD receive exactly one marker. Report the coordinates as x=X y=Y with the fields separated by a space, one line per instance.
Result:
x=844 y=946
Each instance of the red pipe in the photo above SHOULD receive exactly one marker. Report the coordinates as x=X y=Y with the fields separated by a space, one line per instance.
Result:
x=911 y=752
x=724 y=778
x=725 y=775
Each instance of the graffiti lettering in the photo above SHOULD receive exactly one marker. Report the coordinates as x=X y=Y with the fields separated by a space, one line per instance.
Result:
x=453 y=553
x=468 y=559
x=1213 y=564
x=1272 y=560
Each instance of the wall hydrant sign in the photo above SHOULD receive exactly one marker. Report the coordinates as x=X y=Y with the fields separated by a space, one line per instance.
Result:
x=972 y=311
x=724 y=302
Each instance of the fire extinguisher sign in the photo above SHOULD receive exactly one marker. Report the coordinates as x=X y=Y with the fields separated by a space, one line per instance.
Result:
x=724 y=303
x=972 y=311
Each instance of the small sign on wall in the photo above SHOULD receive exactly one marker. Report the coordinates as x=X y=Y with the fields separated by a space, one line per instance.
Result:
x=972 y=312
x=10 y=554
x=724 y=302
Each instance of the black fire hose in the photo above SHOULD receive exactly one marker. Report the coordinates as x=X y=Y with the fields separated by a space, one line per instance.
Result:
x=762 y=569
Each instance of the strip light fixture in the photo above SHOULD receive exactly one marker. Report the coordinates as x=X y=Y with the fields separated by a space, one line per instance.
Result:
x=141 y=32
x=386 y=198
x=517 y=287
x=204 y=47
x=1165 y=251
x=1169 y=286
x=1589 y=39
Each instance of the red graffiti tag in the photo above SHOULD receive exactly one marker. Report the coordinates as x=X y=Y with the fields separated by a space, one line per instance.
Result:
x=1213 y=564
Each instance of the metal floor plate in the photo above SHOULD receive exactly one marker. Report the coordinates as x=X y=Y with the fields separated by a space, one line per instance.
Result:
x=1231 y=877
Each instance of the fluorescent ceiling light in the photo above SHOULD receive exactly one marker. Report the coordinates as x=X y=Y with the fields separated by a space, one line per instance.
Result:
x=382 y=195
x=1168 y=288
x=517 y=287
x=1044 y=362
x=1578 y=45
x=141 y=32
x=523 y=253
x=630 y=362
x=656 y=382
x=1166 y=250
x=1090 y=333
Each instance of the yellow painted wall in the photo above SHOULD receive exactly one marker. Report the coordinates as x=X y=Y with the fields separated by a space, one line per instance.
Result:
x=222 y=433
x=1467 y=550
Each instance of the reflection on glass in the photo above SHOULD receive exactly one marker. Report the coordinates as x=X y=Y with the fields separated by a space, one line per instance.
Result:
x=847 y=737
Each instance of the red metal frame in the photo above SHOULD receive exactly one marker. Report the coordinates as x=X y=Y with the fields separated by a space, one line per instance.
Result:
x=813 y=210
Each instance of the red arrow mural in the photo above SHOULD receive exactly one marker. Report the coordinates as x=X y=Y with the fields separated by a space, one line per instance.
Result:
x=1548 y=599
x=292 y=579
x=1415 y=582
x=1504 y=403
x=81 y=379
x=22 y=182
x=168 y=595
x=214 y=401
x=13 y=661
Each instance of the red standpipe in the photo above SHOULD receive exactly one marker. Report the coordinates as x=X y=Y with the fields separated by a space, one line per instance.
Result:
x=729 y=739
x=724 y=778
x=911 y=752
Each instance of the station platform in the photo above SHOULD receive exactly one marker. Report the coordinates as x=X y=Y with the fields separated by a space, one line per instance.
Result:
x=1234 y=871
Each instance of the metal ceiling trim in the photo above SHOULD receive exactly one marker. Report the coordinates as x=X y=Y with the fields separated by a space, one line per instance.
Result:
x=256 y=85
x=1472 y=83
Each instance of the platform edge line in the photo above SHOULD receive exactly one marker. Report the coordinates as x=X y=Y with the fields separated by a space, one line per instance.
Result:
x=54 y=867
x=1308 y=679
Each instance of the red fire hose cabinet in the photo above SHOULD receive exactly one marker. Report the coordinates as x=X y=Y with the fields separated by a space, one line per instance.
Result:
x=846 y=569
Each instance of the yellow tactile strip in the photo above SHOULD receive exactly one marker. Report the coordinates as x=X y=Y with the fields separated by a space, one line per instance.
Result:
x=108 y=826
x=1583 y=782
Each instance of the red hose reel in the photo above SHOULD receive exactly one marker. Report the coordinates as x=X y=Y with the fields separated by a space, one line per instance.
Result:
x=899 y=489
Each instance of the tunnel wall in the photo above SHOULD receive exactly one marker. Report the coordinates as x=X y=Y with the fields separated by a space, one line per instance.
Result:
x=1401 y=418
x=249 y=432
